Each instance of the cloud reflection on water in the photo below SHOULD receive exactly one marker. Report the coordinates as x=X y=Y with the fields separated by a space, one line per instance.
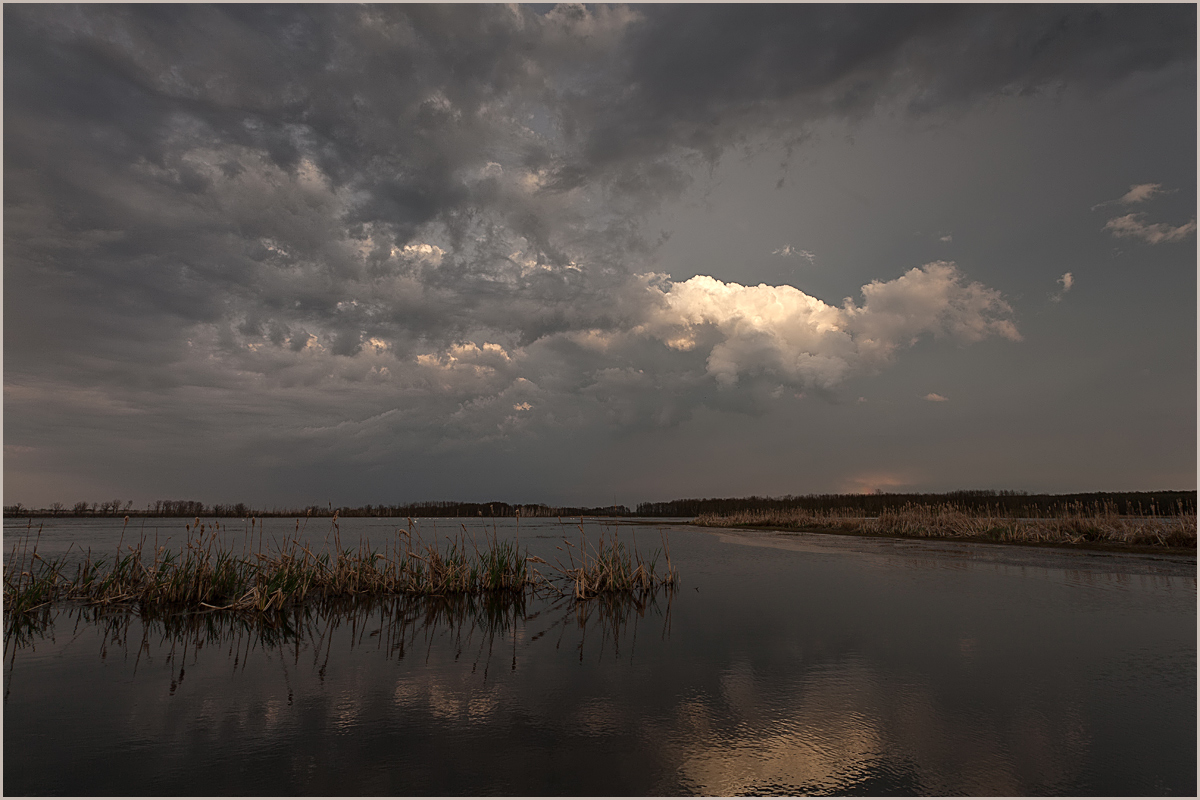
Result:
x=845 y=727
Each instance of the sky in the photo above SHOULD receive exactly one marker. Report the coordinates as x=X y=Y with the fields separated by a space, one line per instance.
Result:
x=285 y=255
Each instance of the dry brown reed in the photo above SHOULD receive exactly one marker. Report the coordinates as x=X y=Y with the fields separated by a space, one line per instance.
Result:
x=208 y=574
x=1068 y=524
x=609 y=567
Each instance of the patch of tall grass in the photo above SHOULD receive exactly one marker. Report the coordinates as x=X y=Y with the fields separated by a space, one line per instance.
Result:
x=208 y=574
x=610 y=567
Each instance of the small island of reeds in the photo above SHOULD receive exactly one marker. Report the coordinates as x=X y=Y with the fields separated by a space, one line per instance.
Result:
x=258 y=577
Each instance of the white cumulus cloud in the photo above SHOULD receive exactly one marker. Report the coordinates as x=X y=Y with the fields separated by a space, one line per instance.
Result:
x=933 y=299
x=783 y=332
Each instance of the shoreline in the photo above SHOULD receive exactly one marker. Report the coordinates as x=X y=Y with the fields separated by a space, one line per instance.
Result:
x=1093 y=547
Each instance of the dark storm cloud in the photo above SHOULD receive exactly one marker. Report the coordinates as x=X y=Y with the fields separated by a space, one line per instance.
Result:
x=161 y=119
x=703 y=78
x=395 y=104
x=425 y=221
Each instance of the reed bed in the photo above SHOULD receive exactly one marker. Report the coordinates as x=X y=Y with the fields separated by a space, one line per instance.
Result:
x=207 y=574
x=1069 y=524
x=610 y=568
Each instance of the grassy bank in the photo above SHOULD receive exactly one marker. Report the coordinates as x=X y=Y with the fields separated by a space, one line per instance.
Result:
x=1095 y=525
x=208 y=574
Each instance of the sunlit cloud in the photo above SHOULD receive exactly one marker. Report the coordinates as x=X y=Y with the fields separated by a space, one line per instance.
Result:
x=1139 y=193
x=1066 y=281
x=932 y=299
x=788 y=250
x=934 y=397
x=1131 y=226
x=789 y=335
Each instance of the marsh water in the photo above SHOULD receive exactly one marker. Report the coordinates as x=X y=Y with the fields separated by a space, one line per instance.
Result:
x=782 y=664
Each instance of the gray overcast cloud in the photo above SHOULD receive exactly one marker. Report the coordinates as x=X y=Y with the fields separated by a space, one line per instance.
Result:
x=290 y=254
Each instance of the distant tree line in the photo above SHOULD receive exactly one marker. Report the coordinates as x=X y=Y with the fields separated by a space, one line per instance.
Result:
x=195 y=508
x=1007 y=502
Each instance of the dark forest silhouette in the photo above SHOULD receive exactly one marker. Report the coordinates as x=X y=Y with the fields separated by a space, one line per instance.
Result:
x=1010 y=502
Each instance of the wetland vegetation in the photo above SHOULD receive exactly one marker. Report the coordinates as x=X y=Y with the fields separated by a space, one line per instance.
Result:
x=264 y=575
x=1074 y=523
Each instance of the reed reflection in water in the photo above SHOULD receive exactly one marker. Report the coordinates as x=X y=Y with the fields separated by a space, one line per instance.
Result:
x=195 y=690
x=395 y=626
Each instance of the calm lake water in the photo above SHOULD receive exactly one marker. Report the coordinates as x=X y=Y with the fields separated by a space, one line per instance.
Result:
x=783 y=664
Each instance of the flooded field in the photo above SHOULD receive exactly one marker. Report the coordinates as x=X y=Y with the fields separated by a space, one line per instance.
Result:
x=781 y=664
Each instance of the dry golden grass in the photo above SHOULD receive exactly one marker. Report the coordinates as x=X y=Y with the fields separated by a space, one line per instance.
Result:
x=1073 y=524
x=207 y=574
x=610 y=567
